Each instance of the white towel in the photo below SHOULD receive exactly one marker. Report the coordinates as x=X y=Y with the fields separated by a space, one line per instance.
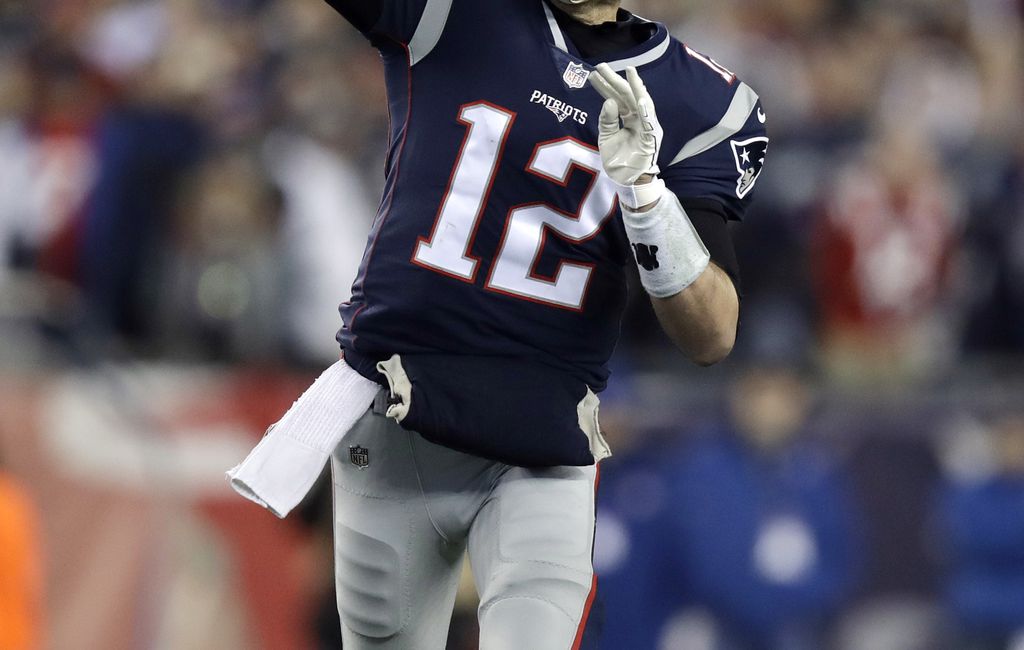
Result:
x=282 y=468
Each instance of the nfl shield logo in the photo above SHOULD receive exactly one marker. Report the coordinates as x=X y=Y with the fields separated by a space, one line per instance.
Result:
x=576 y=75
x=360 y=456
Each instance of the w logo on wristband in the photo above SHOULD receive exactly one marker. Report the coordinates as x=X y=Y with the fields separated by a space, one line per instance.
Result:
x=646 y=256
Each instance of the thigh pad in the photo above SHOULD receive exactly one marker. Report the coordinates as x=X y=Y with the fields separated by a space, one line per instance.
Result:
x=369 y=584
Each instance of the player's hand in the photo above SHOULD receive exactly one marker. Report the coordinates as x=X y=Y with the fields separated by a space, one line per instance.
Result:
x=630 y=134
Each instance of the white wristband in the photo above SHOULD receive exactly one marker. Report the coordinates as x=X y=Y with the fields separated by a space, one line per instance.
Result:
x=668 y=251
x=637 y=196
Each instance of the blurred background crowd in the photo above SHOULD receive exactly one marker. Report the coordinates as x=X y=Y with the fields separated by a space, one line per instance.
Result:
x=185 y=191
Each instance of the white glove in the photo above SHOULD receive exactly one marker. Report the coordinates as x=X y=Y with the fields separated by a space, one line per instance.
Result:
x=669 y=252
x=629 y=135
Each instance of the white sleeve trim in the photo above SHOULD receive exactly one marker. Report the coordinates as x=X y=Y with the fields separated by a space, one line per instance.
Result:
x=428 y=32
x=649 y=56
x=736 y=116
x=556 y=31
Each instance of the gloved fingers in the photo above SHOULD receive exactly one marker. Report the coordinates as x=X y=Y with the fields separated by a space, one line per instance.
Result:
x=602 y=87
x=645 y=105
x=620 y=87
x=608 y=92
x=636 y=84
x=609 y=122
x=648 y=120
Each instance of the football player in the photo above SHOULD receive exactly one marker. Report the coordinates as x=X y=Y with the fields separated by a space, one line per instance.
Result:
x=535 y=147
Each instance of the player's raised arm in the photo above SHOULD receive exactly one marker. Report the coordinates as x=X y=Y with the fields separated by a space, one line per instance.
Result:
x=695 y=300
x=363 y=14
x=396 y=21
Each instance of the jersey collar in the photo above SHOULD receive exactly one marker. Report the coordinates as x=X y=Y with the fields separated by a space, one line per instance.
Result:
x=648 y=52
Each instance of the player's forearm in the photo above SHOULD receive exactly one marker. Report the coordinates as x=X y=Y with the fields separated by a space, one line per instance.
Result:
x=695 y=300
x=702 y=318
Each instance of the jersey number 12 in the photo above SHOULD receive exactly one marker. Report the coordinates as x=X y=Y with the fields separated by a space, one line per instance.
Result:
x=513 y=271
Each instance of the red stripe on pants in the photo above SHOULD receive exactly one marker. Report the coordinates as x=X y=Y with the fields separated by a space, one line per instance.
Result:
x=593 y=581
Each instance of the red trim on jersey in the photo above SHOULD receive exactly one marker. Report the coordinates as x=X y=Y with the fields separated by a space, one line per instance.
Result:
x=593 y=582
x=394 y=187
x=563 y=182
x=483 y=202
x=540 y=301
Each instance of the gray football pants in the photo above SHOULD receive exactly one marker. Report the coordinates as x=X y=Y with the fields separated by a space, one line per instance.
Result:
x=403 y=523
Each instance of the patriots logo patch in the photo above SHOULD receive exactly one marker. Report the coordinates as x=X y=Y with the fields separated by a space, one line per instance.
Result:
x=561 y=112
x=749 y=155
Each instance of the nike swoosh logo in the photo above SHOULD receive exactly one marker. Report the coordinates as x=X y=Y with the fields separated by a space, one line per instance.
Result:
x=761 y=117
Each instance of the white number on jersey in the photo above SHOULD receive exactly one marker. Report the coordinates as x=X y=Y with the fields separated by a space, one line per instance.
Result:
x=447 y=250
x=722 y=71
x=527 y=227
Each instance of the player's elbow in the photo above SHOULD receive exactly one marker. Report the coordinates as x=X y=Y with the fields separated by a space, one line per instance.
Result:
x=715 y=348
x=712 y=339
x=702 y=320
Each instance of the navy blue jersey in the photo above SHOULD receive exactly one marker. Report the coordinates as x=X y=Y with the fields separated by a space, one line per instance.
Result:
x=498 y=233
